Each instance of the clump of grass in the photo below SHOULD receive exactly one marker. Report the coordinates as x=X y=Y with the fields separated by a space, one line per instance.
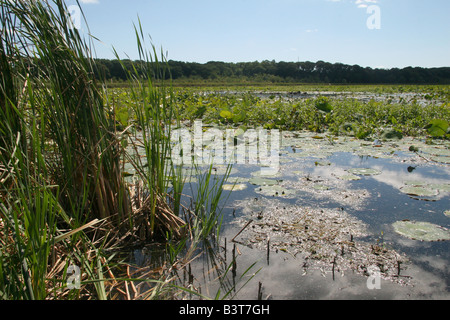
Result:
x=64 y=199
x=59 y=159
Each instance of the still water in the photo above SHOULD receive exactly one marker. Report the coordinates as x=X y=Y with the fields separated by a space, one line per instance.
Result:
x=322 y=175
x=316 y=228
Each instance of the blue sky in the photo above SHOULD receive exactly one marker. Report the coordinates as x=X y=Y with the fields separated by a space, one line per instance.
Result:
x=400 y=33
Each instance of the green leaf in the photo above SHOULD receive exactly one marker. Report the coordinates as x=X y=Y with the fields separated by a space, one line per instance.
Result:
x=392 y=135
x=323 y=105
x=226 y=114
x=437 y=128
x=239 y=117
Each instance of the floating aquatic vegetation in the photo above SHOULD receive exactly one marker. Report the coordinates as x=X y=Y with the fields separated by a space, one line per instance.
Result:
x=299 y=155
x=321 y=187
x=234 y=187
x=392 y=135
x=437 y=127
x=443 y=187
x=447 y=213
x=262 y=174
x=237 y=180
x=419 y=191
x=314 y=186
x=416 y=183
x=437 y=151
x=322 y=163
x=275 y=191
x=329 y=239
x=423 y=231
x=445 y=160
x=364 y=171
x=263 y=181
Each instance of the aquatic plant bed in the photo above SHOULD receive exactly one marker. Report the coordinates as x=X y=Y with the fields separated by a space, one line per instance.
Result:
x=345 y=206
x=362 y=190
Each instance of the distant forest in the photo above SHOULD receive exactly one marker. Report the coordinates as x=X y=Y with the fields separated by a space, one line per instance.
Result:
x=283 y=72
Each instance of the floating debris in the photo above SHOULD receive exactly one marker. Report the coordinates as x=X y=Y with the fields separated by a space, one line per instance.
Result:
x=329 y=239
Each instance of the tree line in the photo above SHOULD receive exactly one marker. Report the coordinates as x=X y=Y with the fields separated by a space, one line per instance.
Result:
x=277 y=72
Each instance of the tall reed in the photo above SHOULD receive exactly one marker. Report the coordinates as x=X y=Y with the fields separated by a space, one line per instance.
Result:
x=61 y=161
x=59 y=156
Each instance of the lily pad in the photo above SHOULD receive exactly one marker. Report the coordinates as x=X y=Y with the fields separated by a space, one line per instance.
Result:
x=234 y=187
x=275 y=191
x=441 y=159
x=444 y=187
x=447 y=213
x=416 y=183
x=364 y=171
x=237 y=180
x=262 y=174
x=437 y=151
x=321 y=187
x=263 y=181
x=423 y=231
x=419 y=191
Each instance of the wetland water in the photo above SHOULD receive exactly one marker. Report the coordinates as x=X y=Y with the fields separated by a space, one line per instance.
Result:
x=342 y=218
x=350 y=214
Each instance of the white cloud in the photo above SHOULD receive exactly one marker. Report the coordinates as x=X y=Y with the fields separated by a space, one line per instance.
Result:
x=365 y=3
x=89 y=1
